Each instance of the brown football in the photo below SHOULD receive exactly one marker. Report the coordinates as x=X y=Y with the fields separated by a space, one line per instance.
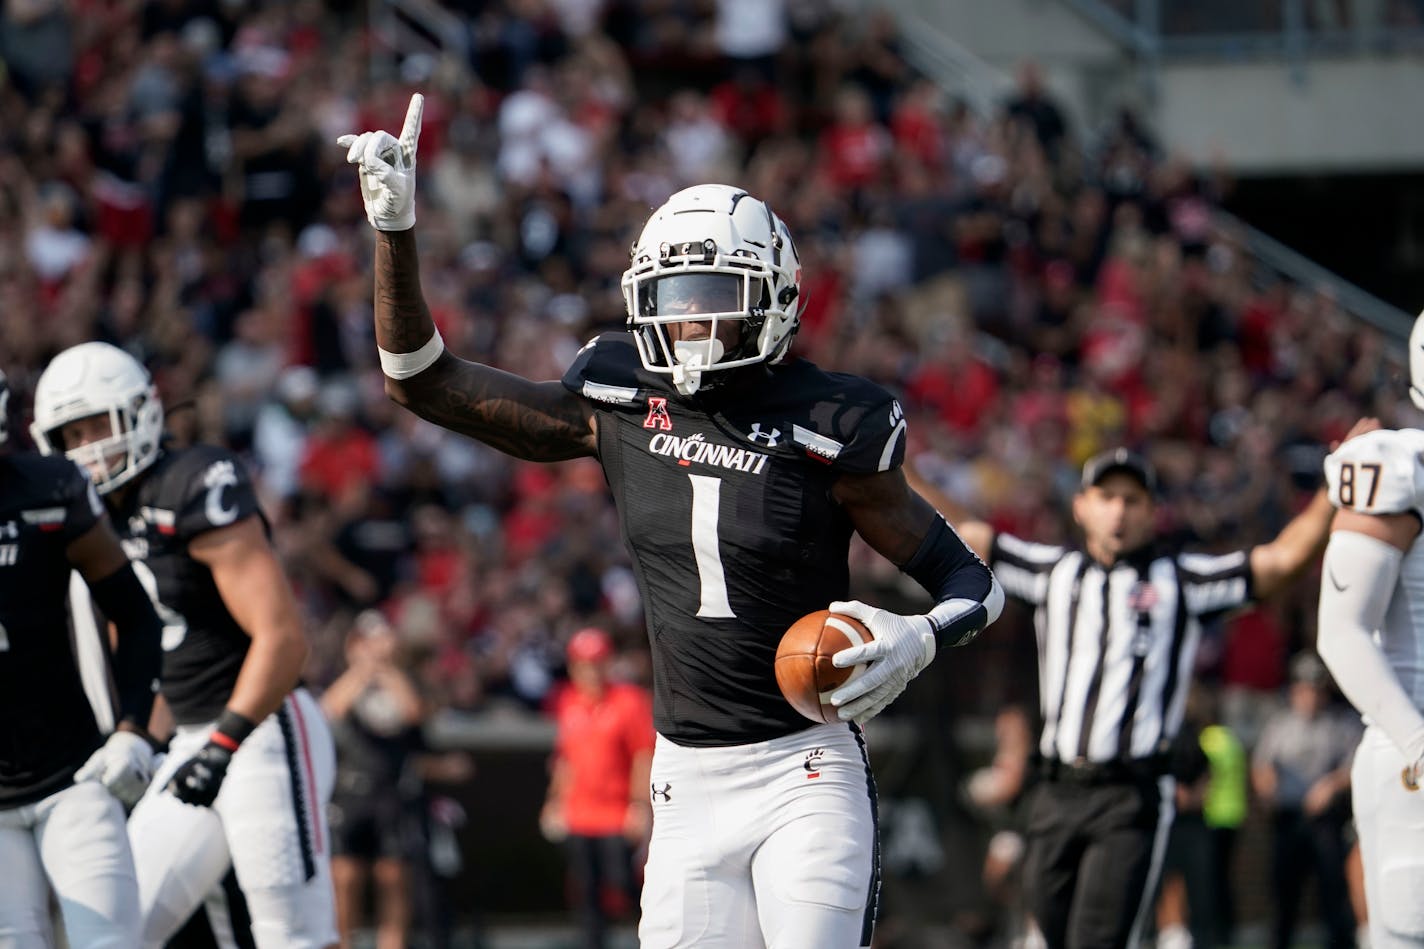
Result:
x=803 y=661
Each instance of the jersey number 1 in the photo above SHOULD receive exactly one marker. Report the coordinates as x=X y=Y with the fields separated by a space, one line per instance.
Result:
x=706 y=506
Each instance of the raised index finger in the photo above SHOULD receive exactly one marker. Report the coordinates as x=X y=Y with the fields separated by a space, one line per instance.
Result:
x=410 y=132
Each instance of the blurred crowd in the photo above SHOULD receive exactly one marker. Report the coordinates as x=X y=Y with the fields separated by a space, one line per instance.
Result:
x=1034 y=290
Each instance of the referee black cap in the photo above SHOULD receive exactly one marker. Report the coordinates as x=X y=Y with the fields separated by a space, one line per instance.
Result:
x=1107 y=462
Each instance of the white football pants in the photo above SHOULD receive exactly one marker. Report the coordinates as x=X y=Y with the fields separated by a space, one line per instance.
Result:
x=1390 y=820
x=268 y=823
x=764 y=845
x=73 y=841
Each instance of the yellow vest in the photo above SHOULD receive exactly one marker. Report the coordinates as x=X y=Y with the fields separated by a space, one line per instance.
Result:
x=1226 y=795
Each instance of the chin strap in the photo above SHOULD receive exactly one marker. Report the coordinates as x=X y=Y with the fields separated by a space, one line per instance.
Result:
x=692 y=356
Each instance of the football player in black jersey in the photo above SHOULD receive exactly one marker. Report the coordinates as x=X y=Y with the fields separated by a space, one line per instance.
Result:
x=61 y=781
x=739 y=477
x=250 y=765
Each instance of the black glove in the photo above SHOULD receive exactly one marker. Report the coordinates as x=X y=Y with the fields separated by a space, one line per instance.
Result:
x=198 y=779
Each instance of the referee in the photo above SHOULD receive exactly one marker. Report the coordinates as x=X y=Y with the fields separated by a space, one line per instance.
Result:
x=1117 y=623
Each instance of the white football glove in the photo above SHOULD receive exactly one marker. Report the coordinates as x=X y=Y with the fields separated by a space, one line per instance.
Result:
x=903 y=645
x=386 y=166
x=123 y=764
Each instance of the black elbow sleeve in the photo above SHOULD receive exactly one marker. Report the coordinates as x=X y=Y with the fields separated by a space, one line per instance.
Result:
x=967 y=596
x=138 y=659
x=946 y=567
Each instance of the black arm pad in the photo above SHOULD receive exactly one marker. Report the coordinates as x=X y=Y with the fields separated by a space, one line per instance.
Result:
x=946 y=567
x=138 y=660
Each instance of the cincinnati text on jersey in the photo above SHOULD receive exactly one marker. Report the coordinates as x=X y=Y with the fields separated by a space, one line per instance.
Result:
x=695 y=449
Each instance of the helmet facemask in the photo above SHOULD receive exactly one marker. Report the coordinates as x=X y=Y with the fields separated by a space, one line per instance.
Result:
x=118 y=457
x=714 y=281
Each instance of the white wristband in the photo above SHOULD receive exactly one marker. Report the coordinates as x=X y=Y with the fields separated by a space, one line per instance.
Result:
x=400 y=366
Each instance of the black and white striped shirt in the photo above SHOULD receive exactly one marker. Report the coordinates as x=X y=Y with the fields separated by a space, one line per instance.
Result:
x=1116 y=644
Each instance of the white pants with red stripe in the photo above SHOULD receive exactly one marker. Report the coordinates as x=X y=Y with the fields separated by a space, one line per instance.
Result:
x=771 y=844
x=268 y=823
x=72 y=841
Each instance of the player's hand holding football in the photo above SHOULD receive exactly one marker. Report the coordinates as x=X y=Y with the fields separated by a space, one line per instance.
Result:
x=386 y=166
x=123 y=764
x=903 y=645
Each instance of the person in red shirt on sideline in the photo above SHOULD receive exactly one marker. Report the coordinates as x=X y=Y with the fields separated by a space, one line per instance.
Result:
x=598 y=800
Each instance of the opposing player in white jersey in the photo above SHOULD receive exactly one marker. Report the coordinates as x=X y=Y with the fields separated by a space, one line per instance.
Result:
x=251 y=766
x=1372 y=638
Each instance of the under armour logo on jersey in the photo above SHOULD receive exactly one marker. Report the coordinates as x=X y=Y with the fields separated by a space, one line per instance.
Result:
x=664 y=793
x=812 y=764
x=769 y=439
x=658 y=415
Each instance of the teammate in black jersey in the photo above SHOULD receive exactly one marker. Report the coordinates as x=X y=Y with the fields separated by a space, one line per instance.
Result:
x=250 y=766
x=61 y=828
x=739 y=477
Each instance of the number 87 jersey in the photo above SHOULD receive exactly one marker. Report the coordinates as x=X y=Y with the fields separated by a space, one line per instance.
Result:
x=1380 y=472
x=724 y=499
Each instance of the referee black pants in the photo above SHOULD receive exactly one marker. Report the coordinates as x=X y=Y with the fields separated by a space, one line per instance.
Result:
x=1094 y=854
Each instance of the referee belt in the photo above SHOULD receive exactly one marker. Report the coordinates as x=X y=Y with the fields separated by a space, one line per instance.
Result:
x=1082 y=771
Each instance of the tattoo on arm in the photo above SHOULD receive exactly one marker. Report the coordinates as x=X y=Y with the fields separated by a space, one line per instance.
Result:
x=537 y=421
x=403 y=322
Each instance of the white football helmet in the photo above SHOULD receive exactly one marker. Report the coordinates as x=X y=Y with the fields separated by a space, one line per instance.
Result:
x=1416 y=362
x=712 y=253
x=98 y=379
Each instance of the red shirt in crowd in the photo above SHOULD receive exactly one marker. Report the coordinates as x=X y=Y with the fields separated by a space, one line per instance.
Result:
x=598 y=742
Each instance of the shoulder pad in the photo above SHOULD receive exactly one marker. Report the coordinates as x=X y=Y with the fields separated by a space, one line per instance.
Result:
x=54 y=493
x=845 y=420
x=69 y=477
x=53 y=477
x=1378 y=473
x=608 y=370
x=203 y=488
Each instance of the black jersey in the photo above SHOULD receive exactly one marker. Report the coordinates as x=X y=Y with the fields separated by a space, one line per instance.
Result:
x=187 y=493
x=725 y=503
x=47 y=726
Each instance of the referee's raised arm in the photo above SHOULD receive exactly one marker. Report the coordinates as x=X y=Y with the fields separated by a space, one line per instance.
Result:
x=1117 y=622
x=979 y=535
x=1275 y=564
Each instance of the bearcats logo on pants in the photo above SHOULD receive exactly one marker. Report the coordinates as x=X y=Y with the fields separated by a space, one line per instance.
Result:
x=815 y=870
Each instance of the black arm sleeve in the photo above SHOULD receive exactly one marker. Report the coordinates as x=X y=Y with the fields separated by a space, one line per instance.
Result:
x=138 y=660
x=967 y=596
